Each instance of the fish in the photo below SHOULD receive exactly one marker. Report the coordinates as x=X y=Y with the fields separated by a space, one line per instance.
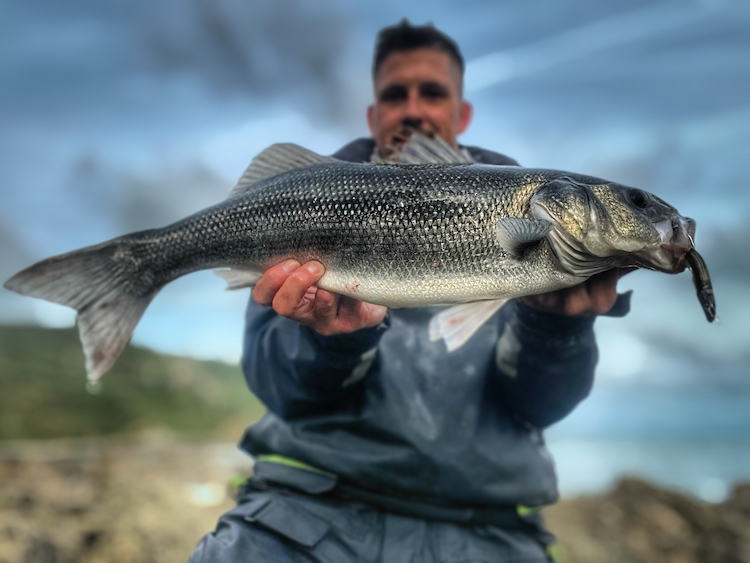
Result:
x=449 y=232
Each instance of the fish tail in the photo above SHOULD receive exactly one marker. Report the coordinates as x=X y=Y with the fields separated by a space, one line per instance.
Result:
x=108 y=287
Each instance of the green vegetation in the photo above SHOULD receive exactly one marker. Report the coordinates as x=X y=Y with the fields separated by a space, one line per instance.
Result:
x=44 y=391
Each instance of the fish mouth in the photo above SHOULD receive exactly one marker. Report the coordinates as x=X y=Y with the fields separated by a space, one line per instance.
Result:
x=677 y=236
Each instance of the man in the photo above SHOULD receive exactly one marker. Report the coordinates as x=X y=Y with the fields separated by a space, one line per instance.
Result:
x=380 y=445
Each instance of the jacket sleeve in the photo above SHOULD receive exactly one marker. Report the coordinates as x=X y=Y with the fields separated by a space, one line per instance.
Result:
x=545 y=362
x=297 y=372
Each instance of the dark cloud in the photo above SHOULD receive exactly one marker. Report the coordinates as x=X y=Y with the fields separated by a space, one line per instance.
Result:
x=244 y=47
x=108 y=108
x=92 y=51
x=130 y=201
x=697 y=67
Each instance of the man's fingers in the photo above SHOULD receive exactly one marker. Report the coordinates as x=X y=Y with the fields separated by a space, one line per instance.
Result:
x=595 y=296
x=548 y=302
x=354 y=314
x=349 y=308
x=290 y=289
x=270 y=282
x=576 y=300
x=289 y=296
x=602 y=290
x=325 y=308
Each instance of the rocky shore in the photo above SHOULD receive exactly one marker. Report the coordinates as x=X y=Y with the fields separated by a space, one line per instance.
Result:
x=637 y=522
x=122 y=492
x=150 y=499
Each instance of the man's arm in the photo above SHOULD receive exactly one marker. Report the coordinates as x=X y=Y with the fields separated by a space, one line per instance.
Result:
x=299 y=353
x=547 y=350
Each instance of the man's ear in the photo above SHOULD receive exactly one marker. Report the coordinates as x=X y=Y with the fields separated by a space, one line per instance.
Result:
x=465 y=112
x=371 y=118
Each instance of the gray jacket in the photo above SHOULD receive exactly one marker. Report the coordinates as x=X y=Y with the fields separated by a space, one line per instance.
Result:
x=387 y=410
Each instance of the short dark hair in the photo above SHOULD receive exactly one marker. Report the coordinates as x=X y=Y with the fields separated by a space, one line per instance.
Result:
x=406 y=37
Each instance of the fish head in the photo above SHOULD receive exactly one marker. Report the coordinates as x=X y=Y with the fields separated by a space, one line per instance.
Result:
x=608 y=225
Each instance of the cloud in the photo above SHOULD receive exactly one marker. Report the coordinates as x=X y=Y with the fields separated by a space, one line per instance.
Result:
x=727 y=250
x=90 y=53
x=124 y=116
x=13 y=258
x=127 y=199
x=581 y=41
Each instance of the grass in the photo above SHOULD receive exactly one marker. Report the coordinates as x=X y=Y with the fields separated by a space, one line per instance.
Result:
x=44 y=391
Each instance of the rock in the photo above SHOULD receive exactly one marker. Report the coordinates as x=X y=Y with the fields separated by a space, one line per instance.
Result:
x=639 y=523
x=150 y=500
x=109 y=500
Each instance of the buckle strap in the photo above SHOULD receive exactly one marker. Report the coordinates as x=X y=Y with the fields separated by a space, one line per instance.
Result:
x=296 y=475
x=507 y=517
x=288 y=461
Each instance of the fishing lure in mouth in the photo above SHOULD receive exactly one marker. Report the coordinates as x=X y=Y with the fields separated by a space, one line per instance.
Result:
x=702 y=282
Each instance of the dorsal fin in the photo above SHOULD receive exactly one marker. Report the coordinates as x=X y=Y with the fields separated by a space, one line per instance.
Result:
x=426 y=149
x=276 y=159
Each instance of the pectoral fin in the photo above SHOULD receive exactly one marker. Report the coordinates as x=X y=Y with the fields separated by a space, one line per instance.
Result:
x=515 y=234
x=457 y=324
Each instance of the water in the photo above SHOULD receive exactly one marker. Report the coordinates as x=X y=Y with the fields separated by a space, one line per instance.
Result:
x=693 y=437
x=704 y=469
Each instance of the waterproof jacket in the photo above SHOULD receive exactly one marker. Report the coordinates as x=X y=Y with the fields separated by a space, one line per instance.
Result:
x=387 y=410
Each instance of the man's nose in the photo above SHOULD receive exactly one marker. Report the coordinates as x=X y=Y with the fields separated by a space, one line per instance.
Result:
x=413 y=109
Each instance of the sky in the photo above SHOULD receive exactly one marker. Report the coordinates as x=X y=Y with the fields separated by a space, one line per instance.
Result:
x=118 y=117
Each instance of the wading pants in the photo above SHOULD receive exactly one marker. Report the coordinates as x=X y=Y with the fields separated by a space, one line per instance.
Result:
x=279 y=526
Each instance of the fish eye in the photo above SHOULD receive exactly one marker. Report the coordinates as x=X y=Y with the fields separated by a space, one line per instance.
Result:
x=638 y=198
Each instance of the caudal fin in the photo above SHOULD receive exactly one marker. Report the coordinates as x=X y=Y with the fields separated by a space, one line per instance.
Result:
x=100 y=283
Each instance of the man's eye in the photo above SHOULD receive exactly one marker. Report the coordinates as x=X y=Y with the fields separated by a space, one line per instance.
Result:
x=433 y=91
x=393 y=94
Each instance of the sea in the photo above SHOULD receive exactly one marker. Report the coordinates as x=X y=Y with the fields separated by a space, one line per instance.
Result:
x=693 y=438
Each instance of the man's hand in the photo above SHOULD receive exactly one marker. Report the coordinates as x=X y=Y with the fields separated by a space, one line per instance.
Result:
x=290 y=289
x=595 y=296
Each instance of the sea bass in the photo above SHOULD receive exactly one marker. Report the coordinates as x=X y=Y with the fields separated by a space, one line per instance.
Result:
x=393 y=235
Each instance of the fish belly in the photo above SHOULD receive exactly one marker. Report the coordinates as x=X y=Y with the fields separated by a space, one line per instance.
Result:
x=402 y=285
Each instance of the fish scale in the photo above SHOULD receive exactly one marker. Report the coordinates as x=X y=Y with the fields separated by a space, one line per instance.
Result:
x=379 y=226
x=376 y=226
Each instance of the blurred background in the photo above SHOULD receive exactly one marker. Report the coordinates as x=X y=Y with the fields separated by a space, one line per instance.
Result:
x=118 y=117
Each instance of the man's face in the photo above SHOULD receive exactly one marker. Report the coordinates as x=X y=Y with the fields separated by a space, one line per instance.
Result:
x=419 y=89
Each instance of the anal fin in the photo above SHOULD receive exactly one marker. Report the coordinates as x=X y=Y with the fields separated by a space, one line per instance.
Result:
x=239 y=277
